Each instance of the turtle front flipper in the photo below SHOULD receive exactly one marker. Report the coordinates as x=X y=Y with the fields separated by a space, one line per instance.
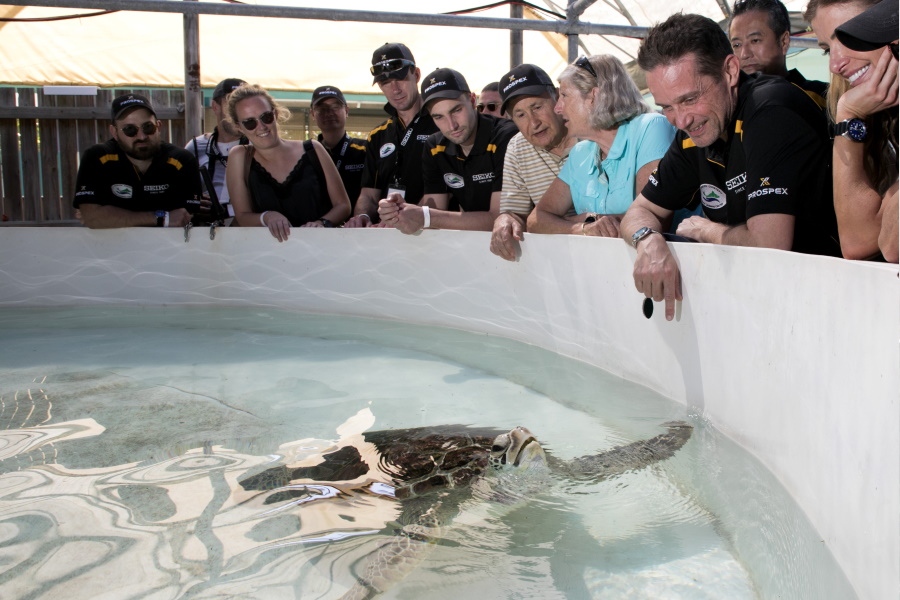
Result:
x=399 y=556
x=633 y=456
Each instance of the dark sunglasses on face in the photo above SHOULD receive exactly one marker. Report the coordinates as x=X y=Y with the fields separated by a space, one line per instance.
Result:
x=149 y=128
x=267 y=118
x=389 y=66
x=585 y=64
x=490 y=106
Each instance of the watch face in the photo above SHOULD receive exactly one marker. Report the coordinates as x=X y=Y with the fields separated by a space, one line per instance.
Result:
x=856 y=130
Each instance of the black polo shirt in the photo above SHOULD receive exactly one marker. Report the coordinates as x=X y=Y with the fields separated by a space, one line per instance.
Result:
x=394 y=151
x=349 y=156
x=817 y=90
x=470 y=180
x=777 y=159
x=107 y=177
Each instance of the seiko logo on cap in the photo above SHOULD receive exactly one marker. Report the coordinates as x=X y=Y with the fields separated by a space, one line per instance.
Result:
x=387 y=150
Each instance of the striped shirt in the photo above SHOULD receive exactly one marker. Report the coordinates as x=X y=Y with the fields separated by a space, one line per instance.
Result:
x=527 y=173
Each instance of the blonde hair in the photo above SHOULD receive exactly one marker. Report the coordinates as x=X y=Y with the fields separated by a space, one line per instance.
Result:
x=249 y=90
x=880 y=162
x=618 y=98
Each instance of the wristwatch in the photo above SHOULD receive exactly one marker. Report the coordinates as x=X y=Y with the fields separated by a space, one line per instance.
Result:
x=641 y=234
x=326 y=223
x=852 y=129
x=160 y=218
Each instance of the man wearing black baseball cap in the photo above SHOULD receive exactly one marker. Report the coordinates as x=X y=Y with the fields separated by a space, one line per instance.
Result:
x=211 y=149
x=534 y=157
x=329 y=111
x=871 y=29
x=135 y=179
x=462 y=164
x=394 y=148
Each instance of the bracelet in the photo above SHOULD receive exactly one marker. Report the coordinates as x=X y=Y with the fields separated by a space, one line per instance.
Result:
x=426 y=211
x=366 y=215
x=262 y=218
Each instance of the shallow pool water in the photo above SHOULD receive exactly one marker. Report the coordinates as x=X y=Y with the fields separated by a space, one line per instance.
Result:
x=125 y=434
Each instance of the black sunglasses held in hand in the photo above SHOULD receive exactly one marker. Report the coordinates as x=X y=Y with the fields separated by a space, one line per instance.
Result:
x=389 y=66
x=490 y=106
x=267 y=118
x=149 y=128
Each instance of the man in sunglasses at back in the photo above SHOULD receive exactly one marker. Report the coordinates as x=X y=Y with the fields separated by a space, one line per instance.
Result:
x=489 y=101
x=135 y=179
x=394 y=148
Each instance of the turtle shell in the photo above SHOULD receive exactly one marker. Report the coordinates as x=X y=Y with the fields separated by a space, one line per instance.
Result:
x=416 y=461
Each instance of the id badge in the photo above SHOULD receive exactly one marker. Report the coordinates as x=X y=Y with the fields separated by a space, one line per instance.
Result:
x=397 y=188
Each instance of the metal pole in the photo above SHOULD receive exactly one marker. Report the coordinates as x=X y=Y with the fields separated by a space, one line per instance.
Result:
x=516 y=43
x=193 y=95
x=569 y=27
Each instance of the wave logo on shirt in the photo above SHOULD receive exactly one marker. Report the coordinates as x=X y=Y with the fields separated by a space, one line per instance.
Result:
x=711 y=196
x=454 y=181
x=387 y=150
x=122 y=190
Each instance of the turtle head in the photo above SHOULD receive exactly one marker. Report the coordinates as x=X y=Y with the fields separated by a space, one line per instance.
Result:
x=517 y=449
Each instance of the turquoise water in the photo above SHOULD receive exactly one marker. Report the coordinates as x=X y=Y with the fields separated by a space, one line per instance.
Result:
x=124 y=434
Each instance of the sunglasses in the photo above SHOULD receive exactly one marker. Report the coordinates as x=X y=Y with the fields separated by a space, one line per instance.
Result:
x=389 y=66
x=149 y=128
x=490 y=106
x=266 y=118
x=585 y=64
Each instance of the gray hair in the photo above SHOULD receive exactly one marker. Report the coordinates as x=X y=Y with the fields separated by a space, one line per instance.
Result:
x=618 y=98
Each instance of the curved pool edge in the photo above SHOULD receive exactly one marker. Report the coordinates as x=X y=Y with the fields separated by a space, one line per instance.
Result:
x=795 y=357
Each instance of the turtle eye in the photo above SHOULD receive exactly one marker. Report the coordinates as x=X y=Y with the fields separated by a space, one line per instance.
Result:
x=497 y=448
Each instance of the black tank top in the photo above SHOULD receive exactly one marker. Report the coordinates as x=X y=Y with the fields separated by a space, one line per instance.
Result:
x=302 y=197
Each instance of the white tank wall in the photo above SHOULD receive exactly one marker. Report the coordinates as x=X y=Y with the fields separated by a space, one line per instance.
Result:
x=795 y=357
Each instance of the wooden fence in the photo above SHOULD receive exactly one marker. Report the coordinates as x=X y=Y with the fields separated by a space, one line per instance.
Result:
x=42 y=138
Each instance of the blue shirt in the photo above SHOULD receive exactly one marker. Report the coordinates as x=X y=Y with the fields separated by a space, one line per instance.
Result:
x=609 y=188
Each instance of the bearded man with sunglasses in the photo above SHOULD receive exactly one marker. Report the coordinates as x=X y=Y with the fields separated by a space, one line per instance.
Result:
x=135 y=179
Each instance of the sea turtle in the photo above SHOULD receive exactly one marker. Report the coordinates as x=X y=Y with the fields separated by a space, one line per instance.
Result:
x=431 y=470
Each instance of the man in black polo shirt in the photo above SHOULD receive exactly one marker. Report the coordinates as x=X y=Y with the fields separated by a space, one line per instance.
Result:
x=760 y=32
x=751 y=150
x=394 y=148
x=135 y=179
x=463 y=164
x=330 y=112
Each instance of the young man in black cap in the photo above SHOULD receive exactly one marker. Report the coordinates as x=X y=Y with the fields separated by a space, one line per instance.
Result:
x=211 y=149
x=394 y=148
x=135 y=179
x=330 y=112
x=463 y=163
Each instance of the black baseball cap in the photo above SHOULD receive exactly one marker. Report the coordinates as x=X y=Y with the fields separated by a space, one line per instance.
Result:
x=226 y=86
x=324 y=92
x=871 y=29
x=391 y=61
x=524 y=80
x=443 y=83
x=122 y=104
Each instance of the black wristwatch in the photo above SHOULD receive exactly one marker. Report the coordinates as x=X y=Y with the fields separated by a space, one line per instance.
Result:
x=160 y=218
x=852 y=129
x=326 y=223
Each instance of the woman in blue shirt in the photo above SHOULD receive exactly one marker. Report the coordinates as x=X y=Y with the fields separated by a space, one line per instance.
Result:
x=622 y=142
